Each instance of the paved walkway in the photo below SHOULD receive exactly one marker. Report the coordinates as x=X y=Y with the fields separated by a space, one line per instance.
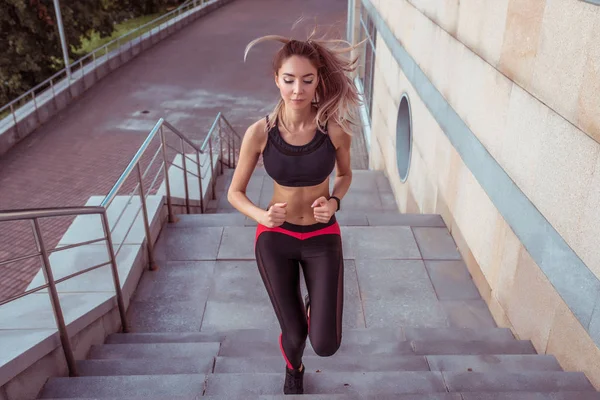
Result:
x=186 y=78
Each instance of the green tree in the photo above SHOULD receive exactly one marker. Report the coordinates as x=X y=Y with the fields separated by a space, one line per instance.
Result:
x=30 y=43
x=30 y=49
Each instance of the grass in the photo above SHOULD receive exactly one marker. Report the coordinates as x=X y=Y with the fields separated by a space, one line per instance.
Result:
x=95 y=41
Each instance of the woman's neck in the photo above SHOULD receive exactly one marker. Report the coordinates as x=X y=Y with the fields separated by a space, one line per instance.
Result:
x=296 y=120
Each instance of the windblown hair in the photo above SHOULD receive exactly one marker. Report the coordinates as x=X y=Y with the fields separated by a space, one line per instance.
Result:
x=336 y=95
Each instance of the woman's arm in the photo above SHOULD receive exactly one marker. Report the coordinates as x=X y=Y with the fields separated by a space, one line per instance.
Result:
x=250 y=150
x=325 y=208
x=343 y=175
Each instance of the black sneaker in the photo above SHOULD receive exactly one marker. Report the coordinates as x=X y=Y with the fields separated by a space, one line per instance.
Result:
x=294 y=381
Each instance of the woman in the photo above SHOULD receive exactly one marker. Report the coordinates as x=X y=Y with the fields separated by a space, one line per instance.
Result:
x=305 y=137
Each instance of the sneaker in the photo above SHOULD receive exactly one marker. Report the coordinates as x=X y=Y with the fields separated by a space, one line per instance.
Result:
x=294 y=381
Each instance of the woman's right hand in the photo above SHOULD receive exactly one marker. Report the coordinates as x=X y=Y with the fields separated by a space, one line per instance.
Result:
x=275 y=216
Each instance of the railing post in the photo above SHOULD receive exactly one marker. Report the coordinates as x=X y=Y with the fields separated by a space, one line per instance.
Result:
x=37 y=114
x=212 y=170
x=12 y=111
x=200 y=182
x=233 y=151
x=58 y=314
x=115 y=272
x=167 y=184
x=152 y=264
x=221 y=148
x=185 y=180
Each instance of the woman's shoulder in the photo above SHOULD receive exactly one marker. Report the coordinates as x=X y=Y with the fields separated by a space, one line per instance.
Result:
x=336 y=132
x=257 y=132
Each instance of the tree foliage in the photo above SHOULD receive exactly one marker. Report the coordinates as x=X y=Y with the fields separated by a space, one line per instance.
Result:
x=30 y=48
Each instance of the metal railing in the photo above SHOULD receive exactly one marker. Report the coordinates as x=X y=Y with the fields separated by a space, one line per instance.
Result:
x=62 y=79
x=221 y=136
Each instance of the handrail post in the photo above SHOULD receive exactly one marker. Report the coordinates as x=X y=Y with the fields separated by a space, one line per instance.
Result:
x=58 y=314
x=200 y=182
x=167 y=184
x=229 y=152
x=221 y=148
x=185 y=179
x=115 y=272
x=212 y=170
x=12 y=111
x=152 y=264
x=233 y=145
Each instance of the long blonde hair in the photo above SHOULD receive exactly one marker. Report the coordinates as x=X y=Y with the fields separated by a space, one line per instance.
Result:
x=336 y=95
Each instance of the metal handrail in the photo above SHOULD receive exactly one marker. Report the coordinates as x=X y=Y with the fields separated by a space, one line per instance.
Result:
x=35 y=214
x=94 y=55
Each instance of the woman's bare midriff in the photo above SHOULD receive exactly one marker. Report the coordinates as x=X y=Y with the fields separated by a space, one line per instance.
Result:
x=299 y=201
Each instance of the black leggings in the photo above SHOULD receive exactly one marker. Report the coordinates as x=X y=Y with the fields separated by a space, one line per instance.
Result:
x=318 y=249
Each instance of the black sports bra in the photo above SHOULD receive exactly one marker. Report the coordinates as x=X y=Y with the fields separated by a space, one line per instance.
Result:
x=295 y=166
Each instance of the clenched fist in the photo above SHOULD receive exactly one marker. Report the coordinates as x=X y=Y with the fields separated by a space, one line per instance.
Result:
x=323 y=209
x=275 y=216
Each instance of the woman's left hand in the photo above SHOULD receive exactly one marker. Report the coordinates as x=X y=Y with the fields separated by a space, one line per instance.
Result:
x=323 y=209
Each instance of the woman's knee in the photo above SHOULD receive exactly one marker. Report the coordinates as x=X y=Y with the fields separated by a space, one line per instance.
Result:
x=325 y=345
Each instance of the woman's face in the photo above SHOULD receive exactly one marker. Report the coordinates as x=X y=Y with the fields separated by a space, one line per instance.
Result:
x=297 y=81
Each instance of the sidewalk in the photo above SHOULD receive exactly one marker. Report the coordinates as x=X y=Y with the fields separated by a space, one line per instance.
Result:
x=187 y=78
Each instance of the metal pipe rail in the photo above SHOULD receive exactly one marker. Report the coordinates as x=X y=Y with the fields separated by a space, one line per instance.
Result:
x=226 y=139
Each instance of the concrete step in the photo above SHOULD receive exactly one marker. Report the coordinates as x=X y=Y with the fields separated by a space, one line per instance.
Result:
x=388 y=383
x=357 y=335
x=570 y=395
x=145 y=366
x=231 y=348
x=219 y=216
x=176 y=337
x=458 y=334
x=165 y=386
x=381 y=363
x=153 y=350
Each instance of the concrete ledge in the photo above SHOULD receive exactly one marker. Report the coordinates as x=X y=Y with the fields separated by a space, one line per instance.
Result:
x=52 y=101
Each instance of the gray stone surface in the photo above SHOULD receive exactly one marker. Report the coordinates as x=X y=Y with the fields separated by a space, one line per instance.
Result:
x=351 y=218
x=214 y=220
x=473 y=347
x=124 y=386
x=451 y=280
x=398 y=293
x=237 y=243
x=468 y=314
x=275 y=364
x=500 y=334
x=387 y=218
x=244 y=385
x=387 y=242
x=152 y=350
x=351 y=383
x=227 y=315
x=193 y=243
x=518 y=381
x=183 y=337
x=567 y=395
x=158 y=316
x=235 y=348
x=493 y=362
x=177 y=281
x=238 y=281
x=375 y=382
x=353 y=315
x=436 y=244
x=165 y=366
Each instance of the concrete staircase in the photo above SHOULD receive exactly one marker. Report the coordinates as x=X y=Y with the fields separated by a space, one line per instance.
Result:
x=415 y=326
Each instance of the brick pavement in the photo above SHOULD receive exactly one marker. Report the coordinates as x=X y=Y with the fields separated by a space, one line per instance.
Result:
x=186 y=78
